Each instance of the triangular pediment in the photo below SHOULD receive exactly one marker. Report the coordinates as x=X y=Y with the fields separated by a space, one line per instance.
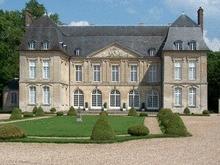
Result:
x=114 y=51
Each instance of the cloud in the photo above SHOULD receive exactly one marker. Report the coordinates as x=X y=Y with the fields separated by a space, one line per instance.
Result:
x=213 y=44
x=79 y=23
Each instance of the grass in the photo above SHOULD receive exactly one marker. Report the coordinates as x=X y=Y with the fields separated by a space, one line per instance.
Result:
x=66 y=126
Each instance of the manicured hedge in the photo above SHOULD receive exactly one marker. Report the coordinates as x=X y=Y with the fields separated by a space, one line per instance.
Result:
x=60 y=113
x=39 y=112
x=205 y=112
x=138 y=130
x=28 y=114
x=11 y=131
x=186 y=111
x=132 y=112
x=71 y=112
x=16 y=114
x=34 y=110
x=102 y=130
x=53 y=110
x=103 y=113
x=143 y=114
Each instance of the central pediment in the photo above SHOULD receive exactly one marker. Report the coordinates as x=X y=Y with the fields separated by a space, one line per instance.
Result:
x=114 y=51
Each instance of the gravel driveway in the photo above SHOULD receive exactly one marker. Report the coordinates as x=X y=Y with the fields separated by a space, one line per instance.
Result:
x=202 y=148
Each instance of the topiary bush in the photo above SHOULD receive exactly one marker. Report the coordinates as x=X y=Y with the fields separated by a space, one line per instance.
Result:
x=60 y=113
x=34 y=110
x=53 y=110
x=11 y=131
x=132 y=112
x=39 y=112
x=186 y=111
x=138 y=130
x=105 y=113
x=28 y=114
x=143 y=114
x=16 y=114
x=205 y=112
x=102 y=130
x=71 y=112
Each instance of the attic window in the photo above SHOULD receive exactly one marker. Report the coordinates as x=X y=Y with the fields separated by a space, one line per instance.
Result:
x=178 y=45
x=192 y=45
x=77 y=51
x=31 y=45
x=45 y=45
x=152 y=52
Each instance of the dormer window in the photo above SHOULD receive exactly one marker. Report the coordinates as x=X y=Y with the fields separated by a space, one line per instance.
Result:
x=45 y=45
x=152 y=52
x=77 y=51
x=192 y=45
x=31 y=45
x=178 y=45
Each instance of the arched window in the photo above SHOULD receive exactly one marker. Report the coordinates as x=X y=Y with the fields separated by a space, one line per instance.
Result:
x=78 y=98
x=96 y=98
x=192 y=45
x=31 y=45
x=152 y=52
x=178 y=45
x=45 y=45
x=134 y=99
x=32 y=95
x=152 y=99
x=46 y=95
x=192 y=97
x=177 y=96
x=115 y=99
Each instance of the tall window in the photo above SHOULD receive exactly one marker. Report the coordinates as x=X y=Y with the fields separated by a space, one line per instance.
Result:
x=45 y=45
x=115 y=99
x=192 y=70
x=177 y=71
x=115 y=73
x=46 y=95
x=96 y=73
x=192 y=97
x=152 y=51
x=133 y=73
x=14 y=98
x=96 y=98
x=78 y=72
x=192 y=45
x=178 y=45
x=46 y=69
x=31 y=45
x=32 y=95
x=134 y=99
x=152 y=73
x=177 y=96
x=78 y=98
x=32 y=69
x=153 y=99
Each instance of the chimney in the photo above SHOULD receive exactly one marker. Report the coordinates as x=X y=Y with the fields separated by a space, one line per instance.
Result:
x=200 y=18
x=28 y=18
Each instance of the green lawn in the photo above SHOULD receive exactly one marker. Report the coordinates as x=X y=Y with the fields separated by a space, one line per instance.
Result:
x=68 y=127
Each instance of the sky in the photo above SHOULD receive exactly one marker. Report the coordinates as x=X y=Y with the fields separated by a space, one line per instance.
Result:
x=131 y=12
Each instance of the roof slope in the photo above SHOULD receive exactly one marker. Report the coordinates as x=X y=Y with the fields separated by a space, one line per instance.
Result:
x=184 y=21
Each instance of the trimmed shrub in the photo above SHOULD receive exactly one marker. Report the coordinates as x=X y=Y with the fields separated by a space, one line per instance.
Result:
x=53 y=110
x=11 y=131
x=105 y=105
x=132 y=112
x=16 y=114
x=143 y=114
x=71 y=112
x=205 y=112
x=60 y=113
x=34 y=110
x=138 y=130
x=105 y=113
x=39 y=112
x=28 y=114
x=102 y=130
x=186 y=111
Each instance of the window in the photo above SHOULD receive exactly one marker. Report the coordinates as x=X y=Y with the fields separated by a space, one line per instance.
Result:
x=152 y=52
x=46 y=69
x=78 y=72
x=192 y=70
x=177 y=96
x=46 y=95
x=32 y=95
x=32 y=69
x=96 y=73
x=78 y=98
x=133 y=73
x=134 y=99
x=115 y=99
x=13 y=98
x=115 y=73
x=97 y=98
x=152 y=99
x=192 y=45
x=152 y=73
x=177 y=71
x=178 y=45
x=32 y=45
x=192 y=97
x=77 y=51
x=45 y=45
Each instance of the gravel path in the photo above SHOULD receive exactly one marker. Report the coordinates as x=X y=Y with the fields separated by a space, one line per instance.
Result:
x=202 y=148
x=152 y=124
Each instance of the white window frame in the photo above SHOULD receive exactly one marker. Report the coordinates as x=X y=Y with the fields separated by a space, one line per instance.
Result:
x=153 y=93
x=178 y=70
x=152 y=52
x=46 y=95
x=192 y=70
x=80 y=72
x=32 y=69
x=45 y=45
x=192 y=97
x=115 y=99
x=46 y=69
x=133 y=73
x=117 y=79
x=152 y=75
x=78 y=96
x=178 y=45
x=32 y=45
x=133 y=94
x=32 y=95
x=192 y=45
x=96 y=73
x=177 y=95
x=97 y=94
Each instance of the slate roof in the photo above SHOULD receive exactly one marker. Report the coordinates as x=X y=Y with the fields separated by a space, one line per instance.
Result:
x=90 y=39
